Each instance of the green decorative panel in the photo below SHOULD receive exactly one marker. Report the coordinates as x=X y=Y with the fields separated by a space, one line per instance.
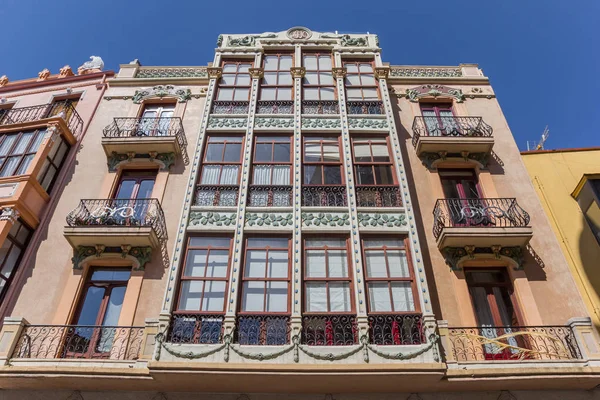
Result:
x=227 y=123
x=273 y=123
x=160 y=91
x=198 y=218
x=368 y=123
x=381 y=220
x=411 y=72
x=171 y=72
x=269 y=219
x=325 y=219
x=321 y=123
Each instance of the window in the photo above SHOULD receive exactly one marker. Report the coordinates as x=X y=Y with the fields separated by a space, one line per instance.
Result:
x=11 y=252
x=135 y=184
x=460 y=184
x=389 y=276
x=372 y=162
x=589 y=202
x=53 y=163
x=277 y=81
x=64 y=107
x=360 y=81
x=221 y=167
x=156 y=120
x=327 y=281
x=322 y=161
x=271 y=169
x=318 y=79
x=439 y=119
x=18 y=150
x=4 y=114
x=235 y=81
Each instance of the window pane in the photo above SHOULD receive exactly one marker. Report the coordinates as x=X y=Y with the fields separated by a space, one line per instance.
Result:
x=338 y=263
x=313 y=175
x=374 y=243
x=311 y=94
x=331 y=152
x=326 y=78
x=351 y=68
x=91 y=306
x=316 y=297
x=380 y=152
x=226 y=80
x=244 y=67
x=339 y=297
x=191 y=293
x=253 y=296
x=23 y=143
x=263 y=152
x=262 y=175
x=376 y=267
x=38 y=140
x=11 y=261
x=332 y=174
x=383 y=174
x=61 y=153
x=195 y=264
x=281 y=175
x=366 y=67
x=110 y=275
x=285 y=62
x=284 y=94
x=281 y=152
x=225 y=94
x=362 y=152
x=10 y=166
x=278 y=264
x=353 y=94
x=268 y=94
x=256 y=261
x=312 y=152
x=229 y=67
x=285 y=78
x=324 y=62
x=398 y=264
x=242 y=80
x=364 y=175
x=327 y=94
x=214 y=152
x=270 y=78
x=217 y=264
x=379 y=297
x=241 y=95
x=325 y=242
x=214 y=296
x=311 y=78
x=232 y=152
x=277 y=297
x=229 y=175
x=24 y=164
x=370 y=94
x=403 y=298
x=210 y=175
x=280 y=243
x=196 y=241
x=315 y=263
x=7 y=144
x=271 y=63
x=310 y=62
x=368 y=80
x=352 y=80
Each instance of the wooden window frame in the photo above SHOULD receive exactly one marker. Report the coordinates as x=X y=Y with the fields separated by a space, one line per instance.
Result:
x=318 y=71
x=389 y=280
x=277 y=86
x=257 y=140
x=52 y=163
x=266 y=279
x=221 y=163
x=345 y=63
x=474 y=177
x=349 y=279
x=372 y=163
x=14 y=243
x=184 y=278
x=151 y=175
x=235 y=74
x=26 y=152
x=340 y=163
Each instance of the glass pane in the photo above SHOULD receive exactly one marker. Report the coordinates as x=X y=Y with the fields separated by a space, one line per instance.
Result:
x=214 y=296
x=374 y=243
x=277 y=264
x=10 y=166
x=195 y=264
x=325 y=242
x=326 y=78
x=327 y=94
x=270 y=63
x=284 y=94
x=217 y=264
x=338 y=263
x=243 y=80
x=383 y=175
x=312 y=152
x=352 y=80
x=315 y=263
x=362 y=152
x=333 y=176
x=311 y=94
x=229 y=67
x=227 y=80
x=324 y=62
x=364 y=67
x=370 y=94
x=311 y=78
x=253 y=296
x=364 y=175
x=279 y=243
x=263 y=152
x=353 y=94
x=210 y=175
x=126 y=189
x=316 y=297
x=256 y=261
x=214 y=152
x=39 y=138
x=23 y=235
x=110 y=275
x=145 y=189
x=285 y=78
x=244 y=67
x=23 y=143
x=91 y=306
x=277 y=297
x=403 y=298
x=379 y=297
x=225 y=94
x=24 y=165
x=339 y=296
x=11 y=261
x=398 y=264
x=113 y=308
x=196 y=241
x=310 y=62
x=281 y=152
x=61 y=153
x=351 y=68
x=331 y=152
x=229 y=175
x=380 y=152
x=285 y=62
x=313 y=175
x=191 y=293
x=7 y=144
x=241 y=95
x=270 y=78
x=268 y=94
x=368 y=80
x=262 y=175
x=376 y=267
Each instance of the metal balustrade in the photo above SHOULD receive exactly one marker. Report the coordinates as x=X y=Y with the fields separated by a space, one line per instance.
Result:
x=196 y=329
x=398 y=329
x=320 y=107
x=378 y=196
x=261 y=330
x=449 y=126
x=275 y=107
x=209 y=195
x=329 y=330
x=230 y=107
x=63 y=109
x=324 y=196
x=270 y=196
x=365 y=107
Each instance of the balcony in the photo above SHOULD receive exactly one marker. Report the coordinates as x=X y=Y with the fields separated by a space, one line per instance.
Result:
x=262 y=330
x=480 y=223
x=114 y=222
x=378 y=196
x=324 y=196
x=365 y=107
x=214 y=196
x=196 y=329
x=514 y=343
x=270 y=196
x=396 y=329
x=62 y=109
x=320 y=107
x=329 y=330
x=230 y=107
x=452 y=136
x=145 y=136
x=79 y=342
x=275 y=107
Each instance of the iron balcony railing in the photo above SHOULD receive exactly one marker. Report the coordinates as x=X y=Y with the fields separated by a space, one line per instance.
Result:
x=324 y=196
x=329 y=330
x=365 y=107
x=262 y=330
x=320 y=107
x=196 y=329
x=396 y=329
x=212 y=195
x=145 y=127
x=450 y=126
x=487 y=343
x=63 y=109
x=275 y=107
x=478 y=213
x=270 y=196
x=230 y=107
x=79 y=341
x=120 y=212
x=378 y=196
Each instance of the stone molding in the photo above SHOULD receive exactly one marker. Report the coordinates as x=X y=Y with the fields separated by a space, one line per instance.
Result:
x=160 y=91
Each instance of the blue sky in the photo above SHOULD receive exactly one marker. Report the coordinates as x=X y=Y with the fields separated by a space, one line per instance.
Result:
x=542 y=56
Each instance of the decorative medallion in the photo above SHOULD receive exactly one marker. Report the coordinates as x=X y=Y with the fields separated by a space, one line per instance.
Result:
x=387 y=220
x=299 y=33
x=211 y=218
x=435 y=91
x=325 y=219
x=161 y=91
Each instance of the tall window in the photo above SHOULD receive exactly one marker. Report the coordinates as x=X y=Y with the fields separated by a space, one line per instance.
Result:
x=372 y=162
x=10 y=254
x=589 y=202
x=318 y=80
x=156 y=120
x=323 y=173
x=221 y=167
x=235 y=81
x=439 y=119
x=360 y=81
x=277 y=82
x=18 y=150
x=271 y=171
x=53 y=163
x=64 y=107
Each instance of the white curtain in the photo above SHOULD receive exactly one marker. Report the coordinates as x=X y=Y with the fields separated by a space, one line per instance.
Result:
x=431 y=122
x=376 y=264
x=315 y=263
x=339 y=296
x=448 y=122
x=338 y=263
x=403 y=298
x=210 y=175
x=229 y=176
x=398 y=263
x=316 y=297
x=379 y=297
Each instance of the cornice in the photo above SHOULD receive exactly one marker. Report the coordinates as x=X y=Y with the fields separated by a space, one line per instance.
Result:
x=157 y=81
x=48 y=85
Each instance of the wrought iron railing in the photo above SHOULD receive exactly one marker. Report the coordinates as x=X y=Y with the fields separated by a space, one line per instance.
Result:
x=329 y=330
x=400 y=329
x=120 y=212
x=79 y=341
x=230 y=107
x=320 y=107
x=378 y=196
x=365 y=107
x=270 y=196
x=262 y=330
x=450 y=126
x=514 y=343
x=324 y=196
x=197 y=329
x=209 y=195
x=64 y=109
x=483 y=213
x=275 y=107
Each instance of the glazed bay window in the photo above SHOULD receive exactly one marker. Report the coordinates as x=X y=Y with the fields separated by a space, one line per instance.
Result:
x=17 y=150
x=53 y=163
x=233 y=91
x=271 y=172
x=277 y=85
x=362 y=92
x=391 y=292
x=263 y=318
x=328 y=316
x=220 y=173
x=318 y=88
x=323 y=183
x=10 y=253
x=376 y=185
x=202 y=290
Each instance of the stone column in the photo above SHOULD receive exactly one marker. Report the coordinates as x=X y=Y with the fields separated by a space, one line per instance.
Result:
x=9 y=337
x=587 y=339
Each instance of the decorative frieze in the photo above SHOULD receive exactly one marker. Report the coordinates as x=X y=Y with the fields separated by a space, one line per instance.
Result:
x=298 y=72
x=429 y=159
x=381 y=220
x=416 y=72
x=321 y=123
x=165 y=160
x=141 y=254
x=382 y=72
x=325 y=219
x=248 y=40
x=227 y=123
x=171 y=72
x=454 y=255
x=368 y=123
x=269 y=219
x=339 y=72
x=435 y=91
x=273 y=123
x=161 y=91
x=198 y=218
x=256 y=73
x=10 y=214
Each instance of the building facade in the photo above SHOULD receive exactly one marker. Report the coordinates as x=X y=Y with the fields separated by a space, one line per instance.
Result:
x=269 y=225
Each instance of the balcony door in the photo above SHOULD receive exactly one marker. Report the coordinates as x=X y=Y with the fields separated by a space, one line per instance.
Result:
x=439 y=119
x=64 y=106
x=464 y=198
x=492 y=298
x=156 y=120
x=95 y=333
x=131 y=198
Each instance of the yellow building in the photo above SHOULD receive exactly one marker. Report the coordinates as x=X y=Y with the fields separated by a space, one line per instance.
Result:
x=568 y=184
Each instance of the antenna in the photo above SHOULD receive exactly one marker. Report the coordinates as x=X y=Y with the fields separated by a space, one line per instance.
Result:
x=540 y=145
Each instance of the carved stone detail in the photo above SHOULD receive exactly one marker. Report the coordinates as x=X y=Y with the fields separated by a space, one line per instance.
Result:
x=321 y=123
x=3 y=80
x=171 y=72
x=440 y=72
x=256 y=73
x=367 y=123
x=348 y=40
x=265 y=122
x=299 y=33
x=227 y=123
x=166 y=160
x=429 y=159
x=211 y=218
x=385 y=220
x=454 y=255
x=298 y=72
x=382 y=72
x=214 y=72
x=435 y=91
x=142 y=254
x=43 y=74
x=94 y=65
x=325 y=219
x=269 y=219
x=161 y=91
x=65 y=71
x=339 y=72
x=10 y=214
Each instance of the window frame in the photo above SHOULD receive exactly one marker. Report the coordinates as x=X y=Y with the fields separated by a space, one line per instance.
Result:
x=389 y=280
x=327 y=279
x=340 y=163
x=372 y=163
x=290 y=163
x=266 y=279
x=221 y=163
x=277 y=86
x=357 y=62
x=26 y=152
x=184 y=278
x=318 y=71
x=235 y=85
x=51 y=163
x=14 y=243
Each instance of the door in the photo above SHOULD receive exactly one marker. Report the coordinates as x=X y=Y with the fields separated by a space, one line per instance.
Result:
x=439 y=120
x=492 y=298
x=156 y=120
x=132 y=197
x=464 y=198
x=95 y=334
x=64 y=106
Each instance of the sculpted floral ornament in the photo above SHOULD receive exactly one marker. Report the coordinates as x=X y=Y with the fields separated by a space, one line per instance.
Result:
x=9 y=214
x=166 y=160
x=248 y=40
x=298 y=72
x=325 y=219
x=227 y=123
x=434 y=91
x=439 y=72
x=263 y=122
x=348 y=40
x=43 y=74
x=430 y=159
x=367 y=123
x=211 y=218
x=253 y=219
x=161 y=91
x=321 y=123
x=454 y=255
x=142 y=254
x=374 y=220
